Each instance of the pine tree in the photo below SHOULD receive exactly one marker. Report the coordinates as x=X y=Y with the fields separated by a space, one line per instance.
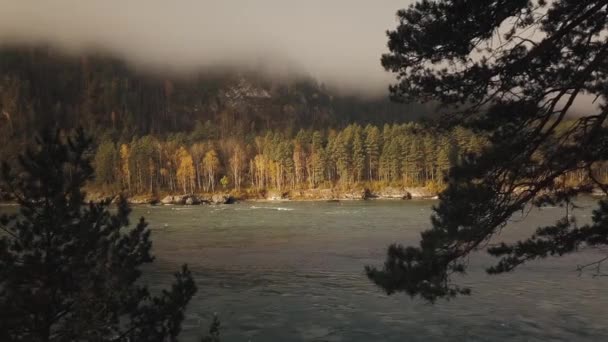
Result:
x=443 y=158
x=358 y=157
x=385 y=162
x=299 y=162
x=142 y=164
x=415 y=161
x=430 y=153
x=70 y=271
x=515 y=94
x=106 y=163
x=406 y=171
x=394 y=159
x=317 y=159
x=341 y=155
x=286 y=164
x=329 y=157
x=124 y=165
x=372 y=150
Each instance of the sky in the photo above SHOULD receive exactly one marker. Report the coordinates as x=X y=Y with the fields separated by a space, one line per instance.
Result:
x=338 y=42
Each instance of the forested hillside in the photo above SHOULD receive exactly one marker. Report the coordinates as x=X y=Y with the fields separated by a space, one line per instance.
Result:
x=220 y=130
x=41 y=87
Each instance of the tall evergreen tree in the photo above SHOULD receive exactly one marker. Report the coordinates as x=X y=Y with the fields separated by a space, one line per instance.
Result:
x=384 y=164
x=342 y=156
x=106 y=163
x=317 y=159
x=430 y=154
x=443 y=157
x=415 y=161
x=70 y=271
x=394 y=159
x=372 y=150
x=516 y=69
x=406 y=167
x=358 y=157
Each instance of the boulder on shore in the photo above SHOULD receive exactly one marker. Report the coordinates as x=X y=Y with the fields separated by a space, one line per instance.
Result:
x=143 y=200
x=167 y=200
x=177 y=199
x=195 y=200
x=222 y=199
x=277 y=196
x=420 y=192
x=393 y=193
x=182 y=200
x=404 y=193
x=315 y=194
x=362 y=194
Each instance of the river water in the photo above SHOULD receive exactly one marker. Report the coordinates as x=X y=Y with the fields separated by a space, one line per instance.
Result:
x=293 y=271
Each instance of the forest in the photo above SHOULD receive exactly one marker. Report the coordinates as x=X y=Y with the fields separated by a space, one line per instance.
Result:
x=400 y=154
x=42 y=87
x=221 y=130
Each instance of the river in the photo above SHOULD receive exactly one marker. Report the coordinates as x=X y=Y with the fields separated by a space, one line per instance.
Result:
x=293 y=271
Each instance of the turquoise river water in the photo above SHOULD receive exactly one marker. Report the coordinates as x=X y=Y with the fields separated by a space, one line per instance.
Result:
x=293 y=271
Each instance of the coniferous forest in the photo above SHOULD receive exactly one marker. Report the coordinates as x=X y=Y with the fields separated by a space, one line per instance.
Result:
x=220 y=130
x=397 y=154
x=216 y=129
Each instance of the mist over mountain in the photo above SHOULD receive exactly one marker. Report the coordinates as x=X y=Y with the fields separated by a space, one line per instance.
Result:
x=338 y=43
x=44 y=87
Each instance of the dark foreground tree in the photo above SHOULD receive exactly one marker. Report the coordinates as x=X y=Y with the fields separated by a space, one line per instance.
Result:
x=70 y=271
x=514 y=70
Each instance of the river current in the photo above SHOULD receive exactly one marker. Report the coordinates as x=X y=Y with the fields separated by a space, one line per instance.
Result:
x=293 y=271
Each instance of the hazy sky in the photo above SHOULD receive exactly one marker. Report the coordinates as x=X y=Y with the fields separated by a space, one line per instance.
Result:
x=339 y=42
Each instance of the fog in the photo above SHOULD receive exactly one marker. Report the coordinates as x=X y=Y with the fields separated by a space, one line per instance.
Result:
x=338 y=42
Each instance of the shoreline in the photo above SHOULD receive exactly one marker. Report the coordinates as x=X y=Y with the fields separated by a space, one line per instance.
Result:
x=272 y=196
x=306 y=195
x=263 y=200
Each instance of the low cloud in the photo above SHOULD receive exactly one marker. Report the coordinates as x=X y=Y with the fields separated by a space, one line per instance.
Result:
x=338 y=42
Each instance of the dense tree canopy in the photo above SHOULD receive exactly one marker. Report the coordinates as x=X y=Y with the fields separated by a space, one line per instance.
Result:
x=514 y=69
x=356 y=156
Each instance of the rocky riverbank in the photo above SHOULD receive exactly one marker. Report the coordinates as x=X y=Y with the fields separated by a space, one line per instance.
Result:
x=190 y=199
x=394 y=193
x=402 y=193
x=328 y=194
